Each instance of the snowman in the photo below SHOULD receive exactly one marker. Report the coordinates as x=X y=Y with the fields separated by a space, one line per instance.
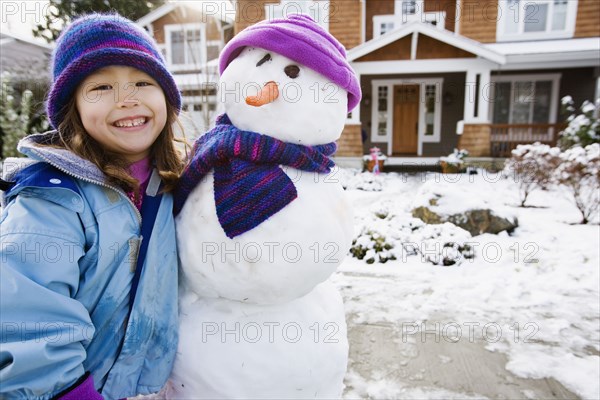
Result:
x=262 y=223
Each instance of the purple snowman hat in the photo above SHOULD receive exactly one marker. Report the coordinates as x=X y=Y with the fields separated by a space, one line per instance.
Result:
x=299 y=38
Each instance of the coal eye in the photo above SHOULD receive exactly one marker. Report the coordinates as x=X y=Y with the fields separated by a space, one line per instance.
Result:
x=292 y=71
x=263 y=60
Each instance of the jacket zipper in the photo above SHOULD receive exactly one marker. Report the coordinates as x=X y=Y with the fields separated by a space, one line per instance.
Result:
x=121 y=192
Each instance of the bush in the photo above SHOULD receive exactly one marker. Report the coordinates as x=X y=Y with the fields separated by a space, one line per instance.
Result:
x=532 y=167
x=372 y=247
x=17 y=120
x=583 y=128
x=579 y=172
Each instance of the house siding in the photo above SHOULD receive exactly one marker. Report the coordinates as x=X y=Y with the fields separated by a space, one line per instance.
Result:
x=373 y=8
x=249 y=12
x=588 y=15
x=447 y=6
x=478 y=20
x=398 y=50
x=345 y=21
x=185 y=15
x=350 y=143
x=430 y=48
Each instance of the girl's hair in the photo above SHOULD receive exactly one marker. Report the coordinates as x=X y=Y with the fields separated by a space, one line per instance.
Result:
x=168 y=159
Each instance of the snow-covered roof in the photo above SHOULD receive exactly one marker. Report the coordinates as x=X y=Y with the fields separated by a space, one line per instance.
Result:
x=218 y=11
x=550 y=50
x=458 y=41
x=9 y=37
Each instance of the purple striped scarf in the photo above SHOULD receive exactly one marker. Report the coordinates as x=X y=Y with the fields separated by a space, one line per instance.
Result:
x=249 y=184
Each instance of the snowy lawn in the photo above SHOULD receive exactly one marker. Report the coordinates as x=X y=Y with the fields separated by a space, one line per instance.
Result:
x=532 y=296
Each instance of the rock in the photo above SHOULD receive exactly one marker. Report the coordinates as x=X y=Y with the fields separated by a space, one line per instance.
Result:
x=474 y=221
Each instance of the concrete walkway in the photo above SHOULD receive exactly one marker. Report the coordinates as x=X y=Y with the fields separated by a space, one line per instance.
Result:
x=463 y=366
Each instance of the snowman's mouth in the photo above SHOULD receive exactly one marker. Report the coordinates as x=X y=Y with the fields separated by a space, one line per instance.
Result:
x=268 y=94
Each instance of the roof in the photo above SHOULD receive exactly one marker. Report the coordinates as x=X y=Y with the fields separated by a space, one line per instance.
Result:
x=445 y=36
x=219 y=12
x=550 y=50
x=8 y=37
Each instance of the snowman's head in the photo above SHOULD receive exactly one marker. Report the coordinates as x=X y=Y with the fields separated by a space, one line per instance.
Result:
x=288 y=78
x=271 y=94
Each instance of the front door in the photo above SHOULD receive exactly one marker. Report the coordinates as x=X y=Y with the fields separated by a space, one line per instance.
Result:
x=406 y=119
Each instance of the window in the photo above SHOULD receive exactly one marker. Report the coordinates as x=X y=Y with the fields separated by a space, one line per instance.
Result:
x=524 y=100
x=406 y=11
x=409 y=7
x=430 y=101
x=536 y=19
x=317 y=9
x=213 y=48
x=185 y=46
x=385 y=27
x=382 y=110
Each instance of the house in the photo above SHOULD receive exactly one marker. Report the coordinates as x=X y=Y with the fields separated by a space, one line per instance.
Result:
x=483 y=75
x=20 y=54
x=191 y=40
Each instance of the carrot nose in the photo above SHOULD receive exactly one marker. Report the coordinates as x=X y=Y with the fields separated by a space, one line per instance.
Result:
x=267 y=95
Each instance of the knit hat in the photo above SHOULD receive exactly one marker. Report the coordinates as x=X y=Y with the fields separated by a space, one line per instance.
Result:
x=300 y=38
x=100 y=40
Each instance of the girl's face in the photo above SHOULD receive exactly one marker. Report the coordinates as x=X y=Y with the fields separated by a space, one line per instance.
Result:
x=123 y=108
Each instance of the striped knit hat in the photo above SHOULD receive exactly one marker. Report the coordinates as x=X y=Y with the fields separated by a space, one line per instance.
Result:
x=95 y=41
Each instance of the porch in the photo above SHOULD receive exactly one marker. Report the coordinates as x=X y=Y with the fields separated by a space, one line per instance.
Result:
x=506 y=137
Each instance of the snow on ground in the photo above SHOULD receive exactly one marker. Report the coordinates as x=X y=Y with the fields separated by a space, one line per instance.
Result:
x=533 y=295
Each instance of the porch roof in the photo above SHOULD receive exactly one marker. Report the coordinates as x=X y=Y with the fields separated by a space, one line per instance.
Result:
x=582 y=51
x=450 y=38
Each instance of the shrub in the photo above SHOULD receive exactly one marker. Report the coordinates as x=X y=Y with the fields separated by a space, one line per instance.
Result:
x=532 y=167
x=583 y=128
x=372 y=247
x=579 y=172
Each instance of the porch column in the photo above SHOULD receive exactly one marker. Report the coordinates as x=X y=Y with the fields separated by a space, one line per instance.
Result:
x=476 y=134
x=479 y=94
x=484 y=96
x=469 y=97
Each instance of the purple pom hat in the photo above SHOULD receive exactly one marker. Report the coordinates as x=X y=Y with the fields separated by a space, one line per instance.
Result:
x=95 y=41
x=299 y=38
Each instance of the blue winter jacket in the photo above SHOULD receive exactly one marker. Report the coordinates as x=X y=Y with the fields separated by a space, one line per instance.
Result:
x=68 y=250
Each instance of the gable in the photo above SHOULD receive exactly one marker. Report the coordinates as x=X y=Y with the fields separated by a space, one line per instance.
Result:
x=427 y=48
x=416 y=40
x=398 y=50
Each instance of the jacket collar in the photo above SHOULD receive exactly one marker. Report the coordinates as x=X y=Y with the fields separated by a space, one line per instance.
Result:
x=62 y=159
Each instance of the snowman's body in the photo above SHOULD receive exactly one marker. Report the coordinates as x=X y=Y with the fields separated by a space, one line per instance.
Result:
x=258 y=318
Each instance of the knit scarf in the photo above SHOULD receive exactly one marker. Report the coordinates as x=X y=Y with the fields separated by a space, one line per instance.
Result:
x=249 y=184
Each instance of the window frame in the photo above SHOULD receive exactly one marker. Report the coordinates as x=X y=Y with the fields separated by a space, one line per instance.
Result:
x=554 y=78
x=505 y=11
x=169 y=29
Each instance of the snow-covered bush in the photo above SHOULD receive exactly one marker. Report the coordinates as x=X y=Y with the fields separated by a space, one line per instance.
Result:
x=579 y=172
x=457 y=157
x=584 y=127
x=384 y=236
x=532 y=166
x=372 y=247
x=363 y=181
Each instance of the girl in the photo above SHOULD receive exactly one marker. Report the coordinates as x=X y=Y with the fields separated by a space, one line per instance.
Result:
x=76 y=229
